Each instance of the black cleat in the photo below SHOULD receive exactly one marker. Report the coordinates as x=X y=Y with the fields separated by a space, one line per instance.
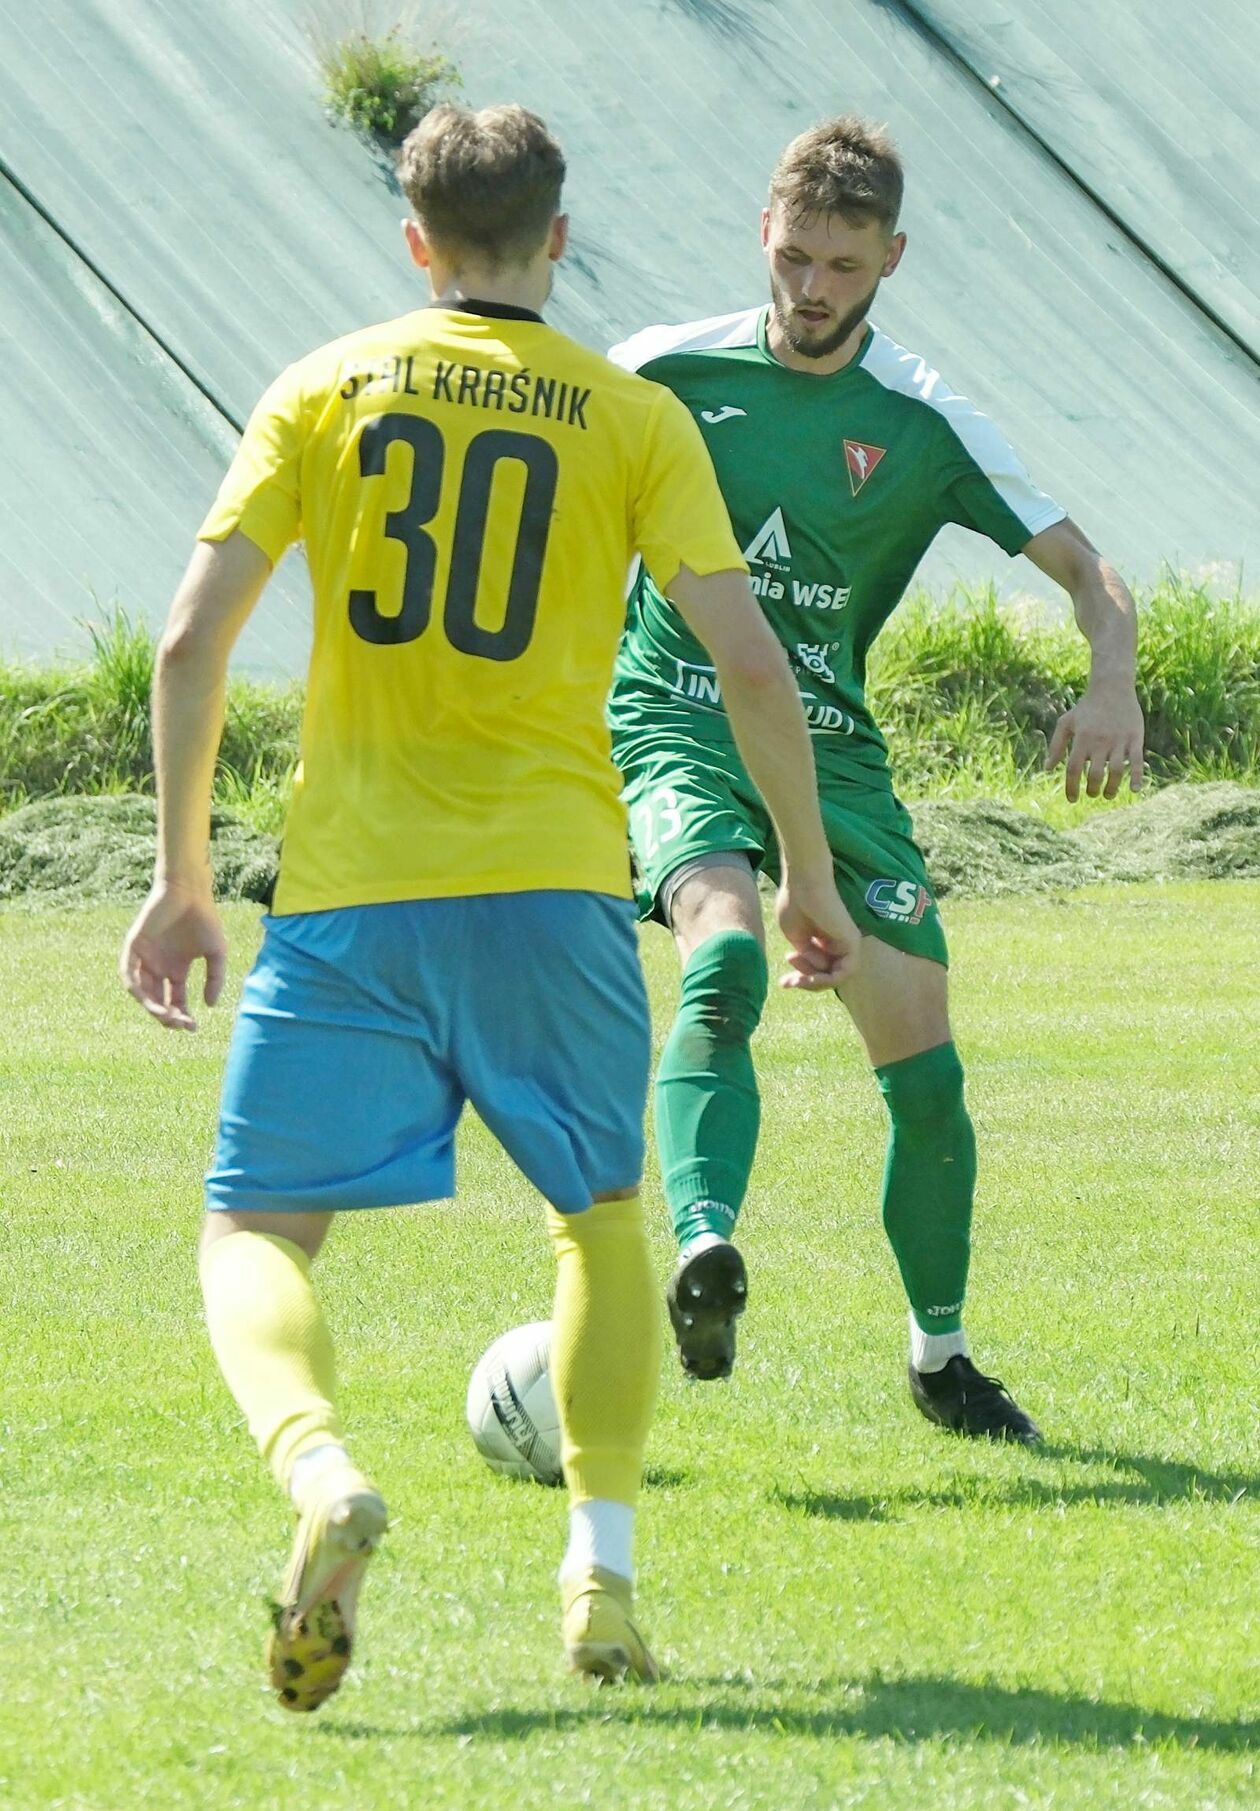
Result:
x=706 y=1295
x=967 y=1402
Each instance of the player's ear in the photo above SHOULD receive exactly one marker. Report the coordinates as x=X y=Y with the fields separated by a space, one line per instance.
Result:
x=892 y=258
x=765 y=228
x=417 y=244
x=558 y=242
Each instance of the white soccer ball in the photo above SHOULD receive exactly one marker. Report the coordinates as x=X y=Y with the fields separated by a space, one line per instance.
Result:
x=511 y=1409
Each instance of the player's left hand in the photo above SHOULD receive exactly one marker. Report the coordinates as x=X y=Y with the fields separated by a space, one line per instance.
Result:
x=1101 y=736
x=826 y=944
x=176 y=926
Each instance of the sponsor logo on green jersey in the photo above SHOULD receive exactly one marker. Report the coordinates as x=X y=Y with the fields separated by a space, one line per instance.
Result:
x=770 y=545
x=771 y=551
x=900 y=901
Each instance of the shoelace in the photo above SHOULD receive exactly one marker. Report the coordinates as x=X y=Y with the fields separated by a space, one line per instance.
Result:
x=993 y=1383
x=987 y=1393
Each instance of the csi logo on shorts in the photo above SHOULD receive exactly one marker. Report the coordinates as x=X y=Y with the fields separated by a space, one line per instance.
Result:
x=900 y=901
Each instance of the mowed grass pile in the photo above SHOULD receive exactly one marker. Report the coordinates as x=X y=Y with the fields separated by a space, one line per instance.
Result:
x=967 y=691
x=855 y=1610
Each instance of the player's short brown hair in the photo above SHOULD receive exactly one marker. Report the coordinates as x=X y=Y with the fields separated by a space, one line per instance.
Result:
x=844 y=166
x=484 y=182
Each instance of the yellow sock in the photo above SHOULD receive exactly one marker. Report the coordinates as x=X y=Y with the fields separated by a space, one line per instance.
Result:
x=605 y=1347
x=272 y=1344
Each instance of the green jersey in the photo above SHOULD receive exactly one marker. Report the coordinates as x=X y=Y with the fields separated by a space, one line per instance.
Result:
x=836 y=486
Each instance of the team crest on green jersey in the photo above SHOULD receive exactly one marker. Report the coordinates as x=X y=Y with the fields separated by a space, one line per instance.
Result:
x=861 y=460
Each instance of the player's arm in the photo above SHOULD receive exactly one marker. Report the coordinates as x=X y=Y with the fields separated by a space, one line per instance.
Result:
x=177 y=925
x=764 y=707
x=255 y=516
x=1101 y=735
x=987 y=488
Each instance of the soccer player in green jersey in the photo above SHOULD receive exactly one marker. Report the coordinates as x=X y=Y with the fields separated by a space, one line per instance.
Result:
x=840 y=456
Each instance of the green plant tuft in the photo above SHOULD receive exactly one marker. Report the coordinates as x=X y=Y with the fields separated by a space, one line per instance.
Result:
x=382 y=85
x=86 y=729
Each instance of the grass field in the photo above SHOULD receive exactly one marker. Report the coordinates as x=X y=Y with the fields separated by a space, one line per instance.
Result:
x=854 y=1609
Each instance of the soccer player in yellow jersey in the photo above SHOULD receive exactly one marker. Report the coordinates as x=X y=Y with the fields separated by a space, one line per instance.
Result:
x=452 y=920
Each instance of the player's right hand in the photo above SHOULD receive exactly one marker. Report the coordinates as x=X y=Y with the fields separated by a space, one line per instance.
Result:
x=175 y=927
x=826 y=944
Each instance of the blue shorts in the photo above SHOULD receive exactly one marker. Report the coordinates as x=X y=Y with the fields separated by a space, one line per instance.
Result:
x=363 y=1031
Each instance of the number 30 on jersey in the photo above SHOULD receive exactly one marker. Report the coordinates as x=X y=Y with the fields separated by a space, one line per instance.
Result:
x=408 y=526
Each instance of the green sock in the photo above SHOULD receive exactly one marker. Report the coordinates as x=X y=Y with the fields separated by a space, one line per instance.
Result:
x=707 y=1107
x=929 y=1183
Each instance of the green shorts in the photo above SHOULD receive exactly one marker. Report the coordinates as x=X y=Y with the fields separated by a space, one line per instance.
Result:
x=687 y=804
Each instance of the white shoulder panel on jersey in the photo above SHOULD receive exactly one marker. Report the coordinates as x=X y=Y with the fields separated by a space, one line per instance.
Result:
x=693 y=336
x=909 y=375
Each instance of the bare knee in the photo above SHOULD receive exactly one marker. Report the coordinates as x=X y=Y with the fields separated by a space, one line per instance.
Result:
x=306 y=1231
x=713 y=901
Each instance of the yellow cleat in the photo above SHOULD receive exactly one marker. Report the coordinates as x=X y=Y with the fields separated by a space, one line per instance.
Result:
x=600 y=1639
x=339 y=1528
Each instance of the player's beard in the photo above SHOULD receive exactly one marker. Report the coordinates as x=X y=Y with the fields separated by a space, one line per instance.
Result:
x=813 y=343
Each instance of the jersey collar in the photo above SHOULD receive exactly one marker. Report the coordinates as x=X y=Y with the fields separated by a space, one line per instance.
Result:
x=832 y=377
x=495 y=311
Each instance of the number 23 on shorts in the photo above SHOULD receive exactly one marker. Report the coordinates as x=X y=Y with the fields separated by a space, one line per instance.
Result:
x=657 y=820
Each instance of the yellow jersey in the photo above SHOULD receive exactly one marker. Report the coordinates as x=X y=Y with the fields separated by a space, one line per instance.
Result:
x=471 y=486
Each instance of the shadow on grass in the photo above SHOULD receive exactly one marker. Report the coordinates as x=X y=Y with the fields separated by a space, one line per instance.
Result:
x=922 y=1709
x=665 y=1477
x=1137 y=1478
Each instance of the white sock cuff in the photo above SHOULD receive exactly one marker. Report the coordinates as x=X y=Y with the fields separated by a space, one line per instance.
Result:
x=601 y=1533
x=933 y=1351
x=702 y=1242
x=311 y=1464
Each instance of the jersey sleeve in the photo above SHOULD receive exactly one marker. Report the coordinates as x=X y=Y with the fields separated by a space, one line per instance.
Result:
x=261 y=494
x=679 y=516
x=986 y=485
x=624 y=354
